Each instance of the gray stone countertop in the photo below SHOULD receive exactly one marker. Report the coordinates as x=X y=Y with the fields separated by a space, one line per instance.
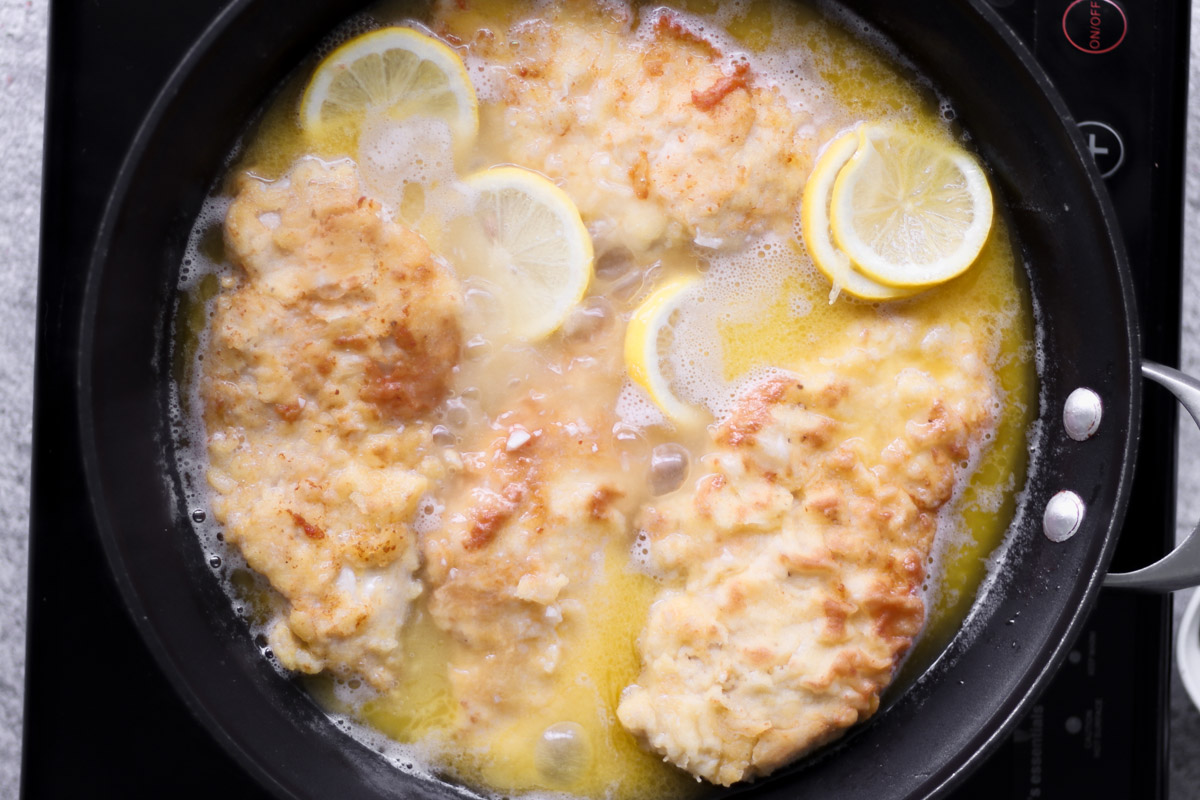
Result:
x=22 y=86
x=1185 y=718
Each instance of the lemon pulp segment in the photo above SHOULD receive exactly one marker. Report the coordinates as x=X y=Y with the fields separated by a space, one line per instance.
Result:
x=396 y=72
x=531 y=244
x=646 y=340
x=908 y=211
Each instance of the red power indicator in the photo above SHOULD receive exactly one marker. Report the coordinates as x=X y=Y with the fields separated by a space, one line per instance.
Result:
x=1094 y=26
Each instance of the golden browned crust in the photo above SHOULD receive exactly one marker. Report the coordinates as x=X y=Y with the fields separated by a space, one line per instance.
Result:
x=799 y=558
x=533 y=507
x=340 y=328
x=654 y=133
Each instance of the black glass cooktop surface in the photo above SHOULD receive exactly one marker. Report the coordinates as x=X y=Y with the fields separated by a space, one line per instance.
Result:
x=102 y=721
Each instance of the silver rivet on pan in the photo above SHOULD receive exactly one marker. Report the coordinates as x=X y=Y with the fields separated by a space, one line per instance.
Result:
x=1064 y=515
x=1081 y=414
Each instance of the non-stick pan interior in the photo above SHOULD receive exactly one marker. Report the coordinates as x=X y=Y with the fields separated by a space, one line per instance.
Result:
x=927 y=738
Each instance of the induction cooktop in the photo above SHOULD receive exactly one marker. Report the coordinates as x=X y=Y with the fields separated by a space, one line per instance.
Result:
x=102 y=721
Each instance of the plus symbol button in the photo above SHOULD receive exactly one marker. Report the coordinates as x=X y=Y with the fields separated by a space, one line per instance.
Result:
x=1105 y=145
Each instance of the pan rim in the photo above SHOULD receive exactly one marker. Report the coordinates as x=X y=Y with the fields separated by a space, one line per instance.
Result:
x=114 y=207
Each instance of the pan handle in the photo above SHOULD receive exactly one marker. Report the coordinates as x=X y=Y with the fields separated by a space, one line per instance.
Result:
x=1180 y=568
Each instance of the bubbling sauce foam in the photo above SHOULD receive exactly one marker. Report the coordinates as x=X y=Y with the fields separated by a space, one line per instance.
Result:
x=394 y=158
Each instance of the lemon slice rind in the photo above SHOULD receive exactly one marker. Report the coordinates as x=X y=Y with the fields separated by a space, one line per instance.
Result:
x=393 y=70
x=914 y=217
x=540 y=251
x=643 y=361
x=814 y=226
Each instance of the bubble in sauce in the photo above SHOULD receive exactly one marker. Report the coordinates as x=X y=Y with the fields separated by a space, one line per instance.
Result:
x=588 y=319
x=563 y=753
x=669 y=464
x=487 y=79
x=442 y=435
x=476 y=348
x=613 y=263
x=640 y=552
x=636 y=409
x=429 y=514
x=457 y=413
x=395 y=155
x=482 y=309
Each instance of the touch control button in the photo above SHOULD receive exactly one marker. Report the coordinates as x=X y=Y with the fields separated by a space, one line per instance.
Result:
x=1105 y=145
x=1094 y=26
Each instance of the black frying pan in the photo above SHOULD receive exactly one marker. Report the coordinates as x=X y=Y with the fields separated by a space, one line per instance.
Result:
x=924 y=742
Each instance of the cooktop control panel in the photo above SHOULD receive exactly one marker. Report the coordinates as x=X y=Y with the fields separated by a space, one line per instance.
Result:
x=1100 y=730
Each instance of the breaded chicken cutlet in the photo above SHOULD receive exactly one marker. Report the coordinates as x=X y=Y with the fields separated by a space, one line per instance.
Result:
x=517 y=553
x=800 y=555
x=340 y=333
x=658 y=137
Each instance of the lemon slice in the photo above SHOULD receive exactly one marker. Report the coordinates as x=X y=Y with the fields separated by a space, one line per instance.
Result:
x=814 y=225
x=909 y=211
x=647 y=339
x=395 y=72
x=526 y=239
